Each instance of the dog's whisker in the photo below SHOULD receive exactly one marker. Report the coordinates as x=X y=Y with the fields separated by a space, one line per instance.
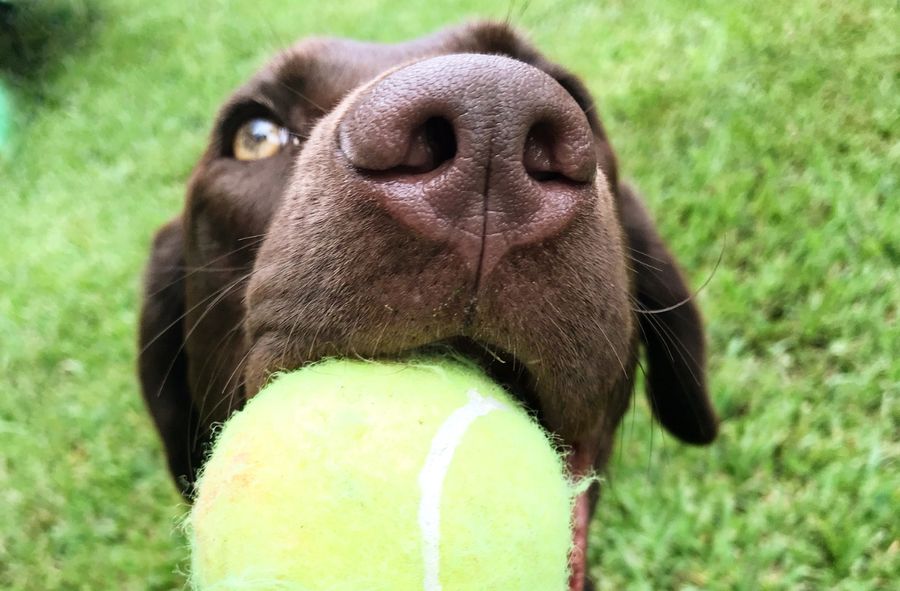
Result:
x=228 y=393
x=688 y=361
x=176 y=354
x=646 y=255
x=208 y=269
x=247 y=273
x=643 y=264
x=298 y=316
x=694 y=295
x=378 y=339
x=315 y=337
x=302 y=96
x=277 y=44
x=669 y=337
x=225 y=397
x=252 y=237
x=230 y=334
x=193 y=270
x=511 y=7
x=215 y=295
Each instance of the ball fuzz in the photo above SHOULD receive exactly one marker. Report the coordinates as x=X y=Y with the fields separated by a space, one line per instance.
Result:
x=384 y=477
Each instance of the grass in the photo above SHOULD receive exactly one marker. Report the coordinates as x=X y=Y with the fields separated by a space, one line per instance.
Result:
x=762 y=130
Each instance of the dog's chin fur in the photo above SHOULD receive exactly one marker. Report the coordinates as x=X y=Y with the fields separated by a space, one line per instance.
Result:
x=279 y=262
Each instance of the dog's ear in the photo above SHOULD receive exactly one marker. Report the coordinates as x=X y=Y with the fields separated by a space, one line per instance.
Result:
x=671 y=329
x=162 y=363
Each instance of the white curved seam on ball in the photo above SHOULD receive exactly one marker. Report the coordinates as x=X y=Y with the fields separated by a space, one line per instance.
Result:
x=431 y=478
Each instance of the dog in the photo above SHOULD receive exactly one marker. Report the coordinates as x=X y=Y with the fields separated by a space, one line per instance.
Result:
x=376 y=200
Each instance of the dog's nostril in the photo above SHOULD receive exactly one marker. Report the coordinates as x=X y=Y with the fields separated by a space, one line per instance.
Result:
x=539 y=158
x=430 y=145
x=427 y=147
x=559 y=150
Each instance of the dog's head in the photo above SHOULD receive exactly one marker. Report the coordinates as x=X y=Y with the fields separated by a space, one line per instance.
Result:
x=373 y=201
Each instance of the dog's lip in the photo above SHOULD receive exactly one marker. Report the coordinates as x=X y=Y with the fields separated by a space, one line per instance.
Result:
x=504 y=368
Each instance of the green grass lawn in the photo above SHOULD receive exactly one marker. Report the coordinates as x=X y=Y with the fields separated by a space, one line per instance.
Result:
x=765 y=131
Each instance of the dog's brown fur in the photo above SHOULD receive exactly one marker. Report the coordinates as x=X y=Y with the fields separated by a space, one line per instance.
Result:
x=279 y=262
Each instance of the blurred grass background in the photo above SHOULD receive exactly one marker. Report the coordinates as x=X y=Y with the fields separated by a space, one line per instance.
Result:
x=763 y=130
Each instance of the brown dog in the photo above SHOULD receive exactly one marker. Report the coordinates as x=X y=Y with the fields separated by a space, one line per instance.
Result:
x=457 y=191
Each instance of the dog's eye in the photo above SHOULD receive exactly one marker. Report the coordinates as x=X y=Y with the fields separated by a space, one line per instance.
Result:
x=259 y=138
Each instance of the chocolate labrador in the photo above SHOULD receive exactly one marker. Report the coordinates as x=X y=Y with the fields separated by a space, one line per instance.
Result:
x=455 y=192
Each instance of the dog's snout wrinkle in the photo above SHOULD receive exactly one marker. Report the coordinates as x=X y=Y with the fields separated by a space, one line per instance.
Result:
x=518 y=169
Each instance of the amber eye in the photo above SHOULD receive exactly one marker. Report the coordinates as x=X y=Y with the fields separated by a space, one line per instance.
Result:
x=259 y=138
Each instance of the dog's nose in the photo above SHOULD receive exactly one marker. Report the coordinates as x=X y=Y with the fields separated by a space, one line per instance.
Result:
x=483 y=153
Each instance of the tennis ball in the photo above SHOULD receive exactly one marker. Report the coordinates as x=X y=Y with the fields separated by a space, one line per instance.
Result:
x=351 y=475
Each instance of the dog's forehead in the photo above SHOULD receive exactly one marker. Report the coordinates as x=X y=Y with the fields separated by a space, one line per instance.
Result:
x=319 y=72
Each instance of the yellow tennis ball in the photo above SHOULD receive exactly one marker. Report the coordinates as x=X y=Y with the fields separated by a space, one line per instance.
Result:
x=351 y=475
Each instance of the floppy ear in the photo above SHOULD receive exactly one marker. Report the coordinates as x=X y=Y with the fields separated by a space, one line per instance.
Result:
x=671 y=329
x=162 y=363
